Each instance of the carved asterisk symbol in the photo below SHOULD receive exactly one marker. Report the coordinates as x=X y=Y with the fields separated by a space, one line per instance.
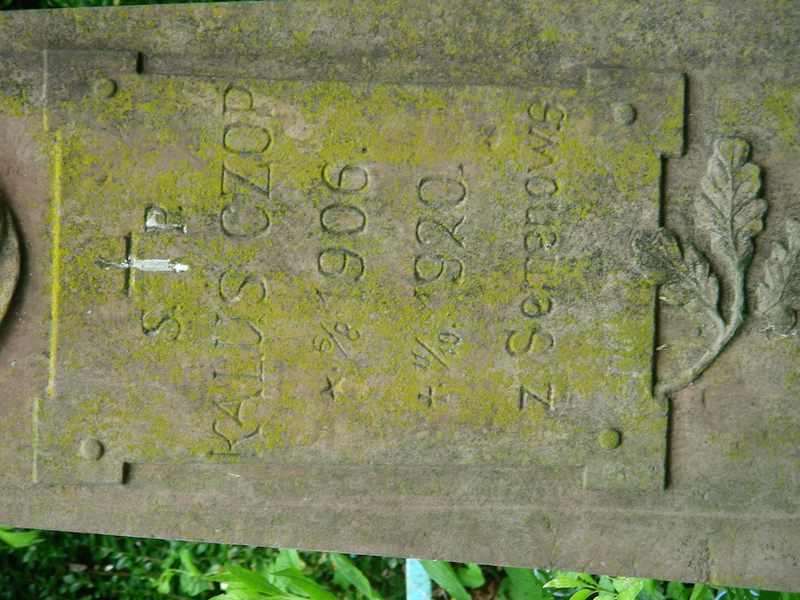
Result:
x=333 y=386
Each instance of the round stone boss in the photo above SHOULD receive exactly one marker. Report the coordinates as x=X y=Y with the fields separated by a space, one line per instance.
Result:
x=9 y=259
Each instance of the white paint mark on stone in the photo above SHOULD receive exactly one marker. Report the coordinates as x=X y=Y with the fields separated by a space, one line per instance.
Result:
x=156 y=219
x=153 y=265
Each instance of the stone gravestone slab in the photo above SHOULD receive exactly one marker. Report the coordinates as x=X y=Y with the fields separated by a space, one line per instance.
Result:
x=455 y=281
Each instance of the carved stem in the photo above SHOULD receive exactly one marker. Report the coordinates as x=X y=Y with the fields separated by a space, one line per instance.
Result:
x=724 y=336
x=731 y=211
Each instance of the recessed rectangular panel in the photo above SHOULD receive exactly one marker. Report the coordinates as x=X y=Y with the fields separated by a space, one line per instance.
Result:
x=337 y=273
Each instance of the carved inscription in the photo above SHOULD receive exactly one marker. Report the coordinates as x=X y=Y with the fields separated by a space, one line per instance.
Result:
x=238 y=371
x=163 y=324
x=430 y=354
x=355 y=262
x=437 y=230
x=442 y=201
x=540 y=241
x=340 y=336
x=245 y=184
x=341 y=219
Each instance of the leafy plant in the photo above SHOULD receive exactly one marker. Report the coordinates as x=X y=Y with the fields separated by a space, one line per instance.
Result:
x=606 y=588
x=354 y=576
x=58 y=566
x=243 y=584
x=583 y=587
x=19 y=538
x=471 y=575
x=444 y=575
x=523 y=584
x=287 y=580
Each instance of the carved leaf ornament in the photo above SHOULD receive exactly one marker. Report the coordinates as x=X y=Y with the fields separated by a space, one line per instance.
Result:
x=729 y=213
x=777 y=297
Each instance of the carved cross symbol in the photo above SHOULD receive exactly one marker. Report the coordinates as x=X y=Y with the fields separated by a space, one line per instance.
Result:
x=131 y=264
x=431 y=396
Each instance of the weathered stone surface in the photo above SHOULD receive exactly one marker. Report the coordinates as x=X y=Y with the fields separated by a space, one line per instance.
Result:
x=458 y=281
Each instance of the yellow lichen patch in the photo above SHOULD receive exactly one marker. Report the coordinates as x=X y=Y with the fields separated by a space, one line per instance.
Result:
x=782 y=107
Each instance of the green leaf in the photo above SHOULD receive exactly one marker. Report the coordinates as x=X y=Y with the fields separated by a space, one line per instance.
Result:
x=188 y=562
x=19 y=538
x=504 y=589
x=582 y=594
x=471 y=575
x=628 y=587
x=588 y=579
x=652 y=590
x=352 y=574
x=563 y=582
x=164 y=582
x=221 y=578
x=254 y=581
x=606 y=584
x=524 y=585
x=675 y=590
x=619 y=583
x=651 y=585
x=190 y=581
x=242 y=595
x=302 y=583
x=444 y=575
x=288 y=559
x=192 y=585
x=700 y=592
